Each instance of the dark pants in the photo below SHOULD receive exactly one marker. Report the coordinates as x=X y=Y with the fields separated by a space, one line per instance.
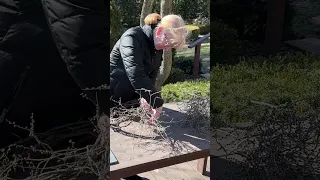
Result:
x=122 y=91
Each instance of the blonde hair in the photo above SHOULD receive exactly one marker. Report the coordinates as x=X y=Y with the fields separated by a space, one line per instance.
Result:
x=152 y=19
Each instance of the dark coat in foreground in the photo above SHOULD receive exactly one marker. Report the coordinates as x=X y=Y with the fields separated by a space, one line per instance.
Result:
x=134 y=65
x=50 y=51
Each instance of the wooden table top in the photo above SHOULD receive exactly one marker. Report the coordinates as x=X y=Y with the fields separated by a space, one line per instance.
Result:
x=140 y=154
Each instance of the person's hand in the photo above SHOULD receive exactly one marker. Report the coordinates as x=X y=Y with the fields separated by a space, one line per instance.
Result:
x=157 y=112
x=154 y=113
x=145 y=104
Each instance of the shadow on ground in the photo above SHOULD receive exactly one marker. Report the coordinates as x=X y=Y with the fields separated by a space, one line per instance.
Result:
x=179 y=135
x=222 y=169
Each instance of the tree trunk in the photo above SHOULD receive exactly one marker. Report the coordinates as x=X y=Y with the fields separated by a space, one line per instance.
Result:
x=165 y=69
x=274 y=30
x=146 y=9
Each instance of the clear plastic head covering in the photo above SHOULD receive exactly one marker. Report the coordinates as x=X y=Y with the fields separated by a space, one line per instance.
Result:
x=167 y=38
x=171 y=33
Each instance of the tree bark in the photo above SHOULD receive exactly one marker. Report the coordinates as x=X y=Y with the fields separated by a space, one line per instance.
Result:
x=165 y=69
x=146 y=9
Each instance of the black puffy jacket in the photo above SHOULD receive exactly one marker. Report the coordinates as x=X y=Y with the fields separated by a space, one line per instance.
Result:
x=134 y=65
x=50 y=51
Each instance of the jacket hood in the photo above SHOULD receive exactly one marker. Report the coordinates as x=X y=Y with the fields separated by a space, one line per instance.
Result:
x=148 y=31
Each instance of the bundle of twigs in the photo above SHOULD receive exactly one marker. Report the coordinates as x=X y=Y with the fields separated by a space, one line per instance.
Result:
x=73 y=151
x=282 y=145
x=197 y=114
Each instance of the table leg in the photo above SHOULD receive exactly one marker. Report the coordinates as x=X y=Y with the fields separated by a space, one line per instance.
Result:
x=202 y=165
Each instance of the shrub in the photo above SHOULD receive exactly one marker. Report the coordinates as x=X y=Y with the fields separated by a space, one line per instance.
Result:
x=176 y=75
x=115 y=26
x=190 y=9
x=281 y=138
x=197 y=114
x=204 y=29
x=183 y=63
x=225 y=44
x=130 y=12
x=301 y=17
x=186 y=90
x=252 y=22
x=194 y=32
x=293 y=78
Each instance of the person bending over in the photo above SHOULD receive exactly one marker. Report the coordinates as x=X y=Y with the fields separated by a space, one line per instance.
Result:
x=136 y=59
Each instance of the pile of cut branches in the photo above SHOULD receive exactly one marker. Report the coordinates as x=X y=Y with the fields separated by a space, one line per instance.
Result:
x=197 y=111
x=72 y=151
x=282 y=145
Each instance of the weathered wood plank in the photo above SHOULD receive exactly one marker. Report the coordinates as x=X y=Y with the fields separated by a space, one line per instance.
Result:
x=183 y=171
x=138 y=155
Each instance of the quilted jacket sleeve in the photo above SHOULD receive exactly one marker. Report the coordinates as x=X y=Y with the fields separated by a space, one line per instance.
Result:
x=130 y=49
x=153 y=76
x=81 y=32
x=16 y=42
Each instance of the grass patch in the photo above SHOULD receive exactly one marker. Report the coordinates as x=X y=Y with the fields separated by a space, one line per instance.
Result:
x=183 y=91
x=289 y=79
x=189 y=53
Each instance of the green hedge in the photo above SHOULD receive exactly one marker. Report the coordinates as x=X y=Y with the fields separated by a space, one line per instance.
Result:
x=176 y=75
x=293 y=78
x=225 y=44
x=186 y=90
x=204 y=29
x=194 y=32
x=183 y=63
